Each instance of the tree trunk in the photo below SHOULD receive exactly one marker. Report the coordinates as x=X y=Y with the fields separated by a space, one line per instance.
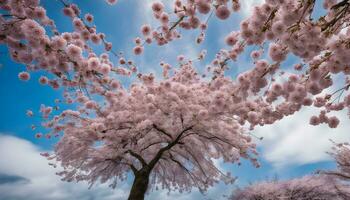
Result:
x=139 y=186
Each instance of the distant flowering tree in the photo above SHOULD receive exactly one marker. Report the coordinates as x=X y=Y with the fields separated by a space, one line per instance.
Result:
x=340 y=153
x=307 y=187
x=330 y=184
x=168 y=131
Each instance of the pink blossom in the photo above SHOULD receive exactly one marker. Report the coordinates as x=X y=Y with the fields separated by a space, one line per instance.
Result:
x=95 y=38
x=222 y=12
x=347 y=100
x=138 y=50
x=105 y=69
x=29 y=113
x=164 y=18
x=314 y=120
x=298 y=67
x=108 y=46
x=333 y=122
x=157 y=7
x=115 y=84
x=93 y=63
x=74 y=52
x=89 y=17
x=278 y=28
x=255 y=54
x=40 y=12
x=146 y=30
x=236 y=6
x=43 y=80
x=78 y=24
x=122 y=61
x=68 y=11
x=111 y=2
x=232 y=38
x=138 y=41
x=203 y=6
x=45 y=154
x=90 y=105
x=24 y=76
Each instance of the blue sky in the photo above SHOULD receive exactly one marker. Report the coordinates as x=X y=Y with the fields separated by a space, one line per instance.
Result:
x=290 y=148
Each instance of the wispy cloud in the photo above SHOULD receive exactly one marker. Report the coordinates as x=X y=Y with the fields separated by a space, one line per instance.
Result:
x=292 y=141
x=26 y=175
x=248 y=5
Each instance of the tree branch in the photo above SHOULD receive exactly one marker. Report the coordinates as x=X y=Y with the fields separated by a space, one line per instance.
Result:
x=162 y=131
x=138 y=157
x=153 y=143
x=193 y=177
x=133 y=168
x=169 y=146
x=176 y=23
x=333 y=173
x=199 y=165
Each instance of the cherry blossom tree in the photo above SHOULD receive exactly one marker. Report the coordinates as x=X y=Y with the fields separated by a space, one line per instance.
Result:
x=340 y=154
x=168 y=131
x=307 y=187
x=325 y=184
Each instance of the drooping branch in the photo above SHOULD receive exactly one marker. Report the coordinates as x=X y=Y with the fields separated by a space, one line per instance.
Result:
x=151 y=144
x=132 y=167
x=191 y=175
x=210 y=137
x=334 y=173
x=169 y=146
x=162 y=131
x=138 y=157
x=196 y=160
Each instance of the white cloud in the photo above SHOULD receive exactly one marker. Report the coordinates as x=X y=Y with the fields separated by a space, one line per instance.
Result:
x=292 y=141
x=146 y=12
x=248 y=5
x=20 y=158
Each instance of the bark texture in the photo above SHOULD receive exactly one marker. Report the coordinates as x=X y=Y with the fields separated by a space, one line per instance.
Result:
x=140 y=185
